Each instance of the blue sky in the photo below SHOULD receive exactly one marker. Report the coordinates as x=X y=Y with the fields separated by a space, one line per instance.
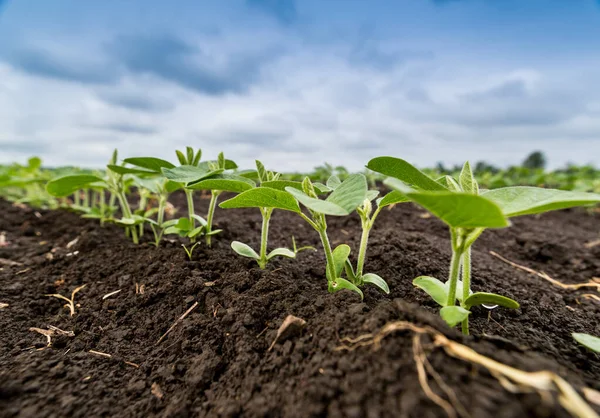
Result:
x=299 y=82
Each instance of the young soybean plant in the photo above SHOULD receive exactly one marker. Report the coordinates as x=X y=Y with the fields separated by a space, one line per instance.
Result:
x=468 y=212
x=114 y=182
x=346 y=197
x=208 y=175
x=266 y=200
x=367 y=218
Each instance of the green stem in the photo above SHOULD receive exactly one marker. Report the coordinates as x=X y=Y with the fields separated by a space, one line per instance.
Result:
x=362 y=251
x=86 y=198
x=466 y=282
x=189 y=194
x=454 y=273
x=162 y=203
x=327 y=247
x=264 y=236
x=214 y=196
x=127 y=214
x=76 y=198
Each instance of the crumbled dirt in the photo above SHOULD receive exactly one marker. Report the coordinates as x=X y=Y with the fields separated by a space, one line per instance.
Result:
x=216 y=361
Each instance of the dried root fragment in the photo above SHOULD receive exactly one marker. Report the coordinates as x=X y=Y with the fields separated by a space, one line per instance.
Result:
x=543 y=382
x=594 y=282
x=51 y=332
x=292 y=325
x=70 y=302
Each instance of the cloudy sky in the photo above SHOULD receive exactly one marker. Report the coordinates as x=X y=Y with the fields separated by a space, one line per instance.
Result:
x=296 y=83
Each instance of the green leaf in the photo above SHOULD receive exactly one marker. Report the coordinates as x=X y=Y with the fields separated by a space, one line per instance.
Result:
x=223 y=182
x=376 y=280
x=340 y=284
x=282 y=184
x=461 y=210
x=372 y=194
x=229 y=164
x=197 y=157
x=403 y=170
x=149 y=163
x=200 y=219
x=262 y=171
x=391 y=198
x=350 y=271
x=214 y=232
x=181 y=157
x=340 y=255
x=322 y=188
x=317 y=205
x=189 y=152
x=119 y=169
x=587 y=340
x=459 y=289
x=351 y=193
x=522 y=200
x=196 y=232
x=66 y=185
x=480 y=298
x=454 y=315
x=333 y=182
x=187 y=173
x=244 y=250
x=467 y=180
x=433 y=287
x=453 y=184
x=282 y=252
x=262 y=197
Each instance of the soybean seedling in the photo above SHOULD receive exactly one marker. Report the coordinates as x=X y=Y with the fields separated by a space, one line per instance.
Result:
x=70 y=302
x=367 y=218
x=208 y=175
x=468 y=212
x=114 y=182
x=346 y=197
x=258 y=197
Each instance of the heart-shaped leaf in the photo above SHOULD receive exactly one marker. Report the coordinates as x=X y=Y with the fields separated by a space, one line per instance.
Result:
x=376 y=280
x=433 y=287
x=454 y=315
x=521 y=200
x=262 y=197
x=66 y=185
x=244 y=250
x=480 y=298
x=333 y=182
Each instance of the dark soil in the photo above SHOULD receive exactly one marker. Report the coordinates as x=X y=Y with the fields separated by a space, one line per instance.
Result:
x=217 y=362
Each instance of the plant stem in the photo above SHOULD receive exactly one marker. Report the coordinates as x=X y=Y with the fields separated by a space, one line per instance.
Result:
x=264 y=236
x=127 y=214
x=466 y=282
x=214 y=196
x=189 y=194
x=322 y=230
x=86 y=198
x=454 y=273
x=162 y=203
x=362 y=251
x=76 y=198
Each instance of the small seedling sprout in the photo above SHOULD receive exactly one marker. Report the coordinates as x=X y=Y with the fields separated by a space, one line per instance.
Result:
x=70 y=302
x=258 y=198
